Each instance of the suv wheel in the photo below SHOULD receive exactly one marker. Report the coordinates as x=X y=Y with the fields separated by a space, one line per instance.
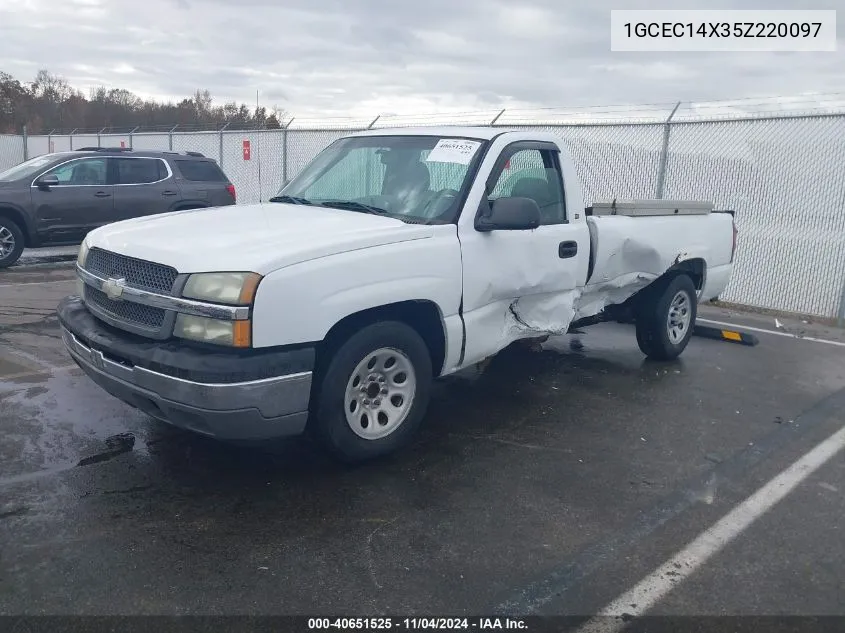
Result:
x=11 y=242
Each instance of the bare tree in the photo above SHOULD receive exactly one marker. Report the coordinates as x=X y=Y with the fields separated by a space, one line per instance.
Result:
x=50 y=102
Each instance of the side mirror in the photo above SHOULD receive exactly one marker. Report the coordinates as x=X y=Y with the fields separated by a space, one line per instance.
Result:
x=45 y=182
x=510 y=214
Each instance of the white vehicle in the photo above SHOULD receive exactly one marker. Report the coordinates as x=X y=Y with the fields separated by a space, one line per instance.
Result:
x=394 y=257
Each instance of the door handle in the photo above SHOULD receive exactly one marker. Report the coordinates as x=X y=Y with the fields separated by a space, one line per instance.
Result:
x=168 y=193
x=102 y=194
x=567 y=249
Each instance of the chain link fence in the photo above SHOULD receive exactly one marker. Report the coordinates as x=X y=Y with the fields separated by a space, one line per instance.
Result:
x=11 y=150
x=785 y=179
x=781 y=174
x=612 y=161
x=151 y=142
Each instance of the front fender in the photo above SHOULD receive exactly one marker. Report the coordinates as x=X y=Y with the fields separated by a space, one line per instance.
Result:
x=301 y=303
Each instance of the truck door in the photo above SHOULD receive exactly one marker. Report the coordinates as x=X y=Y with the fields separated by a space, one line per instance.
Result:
x=522 y=283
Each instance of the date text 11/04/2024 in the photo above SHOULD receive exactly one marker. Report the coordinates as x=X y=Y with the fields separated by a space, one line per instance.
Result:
x=418 y=623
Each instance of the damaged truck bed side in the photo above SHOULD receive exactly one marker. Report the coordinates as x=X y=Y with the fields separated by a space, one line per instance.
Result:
x=394 y=257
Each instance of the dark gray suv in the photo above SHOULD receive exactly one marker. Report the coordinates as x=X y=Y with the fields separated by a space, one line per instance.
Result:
x=57 y=199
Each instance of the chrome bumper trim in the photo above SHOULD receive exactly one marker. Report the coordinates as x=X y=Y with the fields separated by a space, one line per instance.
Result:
x=272 y=397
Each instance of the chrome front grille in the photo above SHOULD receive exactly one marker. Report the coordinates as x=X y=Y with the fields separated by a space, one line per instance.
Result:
x=132 y=313
x=132 y=316
x=137 y=272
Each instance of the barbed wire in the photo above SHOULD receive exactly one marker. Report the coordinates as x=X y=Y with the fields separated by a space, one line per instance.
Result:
x=743 y=108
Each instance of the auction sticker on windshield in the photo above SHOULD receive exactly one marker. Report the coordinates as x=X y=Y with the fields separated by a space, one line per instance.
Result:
x=453 y=150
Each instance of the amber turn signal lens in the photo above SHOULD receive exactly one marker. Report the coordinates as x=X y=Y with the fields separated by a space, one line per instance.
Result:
x=248 y=289
x=242 y=333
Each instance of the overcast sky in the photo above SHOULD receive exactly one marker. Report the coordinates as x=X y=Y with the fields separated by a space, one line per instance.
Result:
x=363 y=57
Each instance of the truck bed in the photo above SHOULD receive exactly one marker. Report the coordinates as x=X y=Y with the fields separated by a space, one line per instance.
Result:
x=629 y=251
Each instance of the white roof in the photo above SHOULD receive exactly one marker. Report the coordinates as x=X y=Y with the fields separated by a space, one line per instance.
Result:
x=480 y=132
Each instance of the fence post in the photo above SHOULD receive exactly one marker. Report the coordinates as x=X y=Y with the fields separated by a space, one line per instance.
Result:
x=170 y=137
x=258 y=151
x=131 y=132
x=220 y=140
x=99 y=142
x=50 y=141
x=496 y=118
x=70 y=137
x=664 y=152
x=285 y=152
x=25 y=144
x=840 y=321
x=373 y=122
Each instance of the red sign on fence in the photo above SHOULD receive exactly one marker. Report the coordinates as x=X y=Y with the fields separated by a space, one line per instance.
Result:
x=246 y=150
x=122 y=144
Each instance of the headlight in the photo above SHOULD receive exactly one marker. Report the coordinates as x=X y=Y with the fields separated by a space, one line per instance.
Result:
x=216 y=331
x=83 y=253
x=231 y=288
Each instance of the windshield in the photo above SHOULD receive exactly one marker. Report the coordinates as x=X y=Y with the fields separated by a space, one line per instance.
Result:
x=411 y=178
x=26 y=169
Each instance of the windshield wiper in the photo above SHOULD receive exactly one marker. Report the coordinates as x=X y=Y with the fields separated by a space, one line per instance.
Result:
x=353 y=206
x=290 y=200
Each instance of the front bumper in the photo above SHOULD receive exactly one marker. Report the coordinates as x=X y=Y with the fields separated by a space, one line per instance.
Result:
x=219 y=394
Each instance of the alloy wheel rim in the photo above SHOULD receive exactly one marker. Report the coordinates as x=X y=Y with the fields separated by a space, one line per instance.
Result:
x=679 y=318
x=7 y=242
x=379 y=393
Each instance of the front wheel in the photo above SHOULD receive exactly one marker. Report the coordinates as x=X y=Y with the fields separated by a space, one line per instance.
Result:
x=666 y=318
x=374 y=392
x=11 y=242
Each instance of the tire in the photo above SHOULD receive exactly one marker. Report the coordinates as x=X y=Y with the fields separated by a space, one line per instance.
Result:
x=656 y=336
x=11 y=242
x=352 y=417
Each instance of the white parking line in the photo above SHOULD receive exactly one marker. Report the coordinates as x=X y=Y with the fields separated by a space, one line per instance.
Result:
x=670 y=574
x=38 y=283
x=739 y=326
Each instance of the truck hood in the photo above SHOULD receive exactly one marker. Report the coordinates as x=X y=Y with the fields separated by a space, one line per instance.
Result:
x=258 y=238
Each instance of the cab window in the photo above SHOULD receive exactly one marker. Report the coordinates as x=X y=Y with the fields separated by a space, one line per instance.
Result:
x=534 y=174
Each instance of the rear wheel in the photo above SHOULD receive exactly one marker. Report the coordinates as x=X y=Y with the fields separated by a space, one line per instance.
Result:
x=374 y=393
x=666 y=318
x=11 y=242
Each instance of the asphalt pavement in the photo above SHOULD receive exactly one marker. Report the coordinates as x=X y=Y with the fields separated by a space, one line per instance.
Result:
x=39 y=257
x=550 y=482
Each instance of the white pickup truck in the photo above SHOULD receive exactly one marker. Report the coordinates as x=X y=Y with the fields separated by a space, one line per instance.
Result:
x=396 y=256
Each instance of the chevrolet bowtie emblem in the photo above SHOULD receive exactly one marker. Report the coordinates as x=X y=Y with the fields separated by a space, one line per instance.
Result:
x=114 y=288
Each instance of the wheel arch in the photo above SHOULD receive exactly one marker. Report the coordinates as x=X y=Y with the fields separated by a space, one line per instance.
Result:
x=22 y=220
x=187 y=205
x=424 y=316
x=694 y=267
